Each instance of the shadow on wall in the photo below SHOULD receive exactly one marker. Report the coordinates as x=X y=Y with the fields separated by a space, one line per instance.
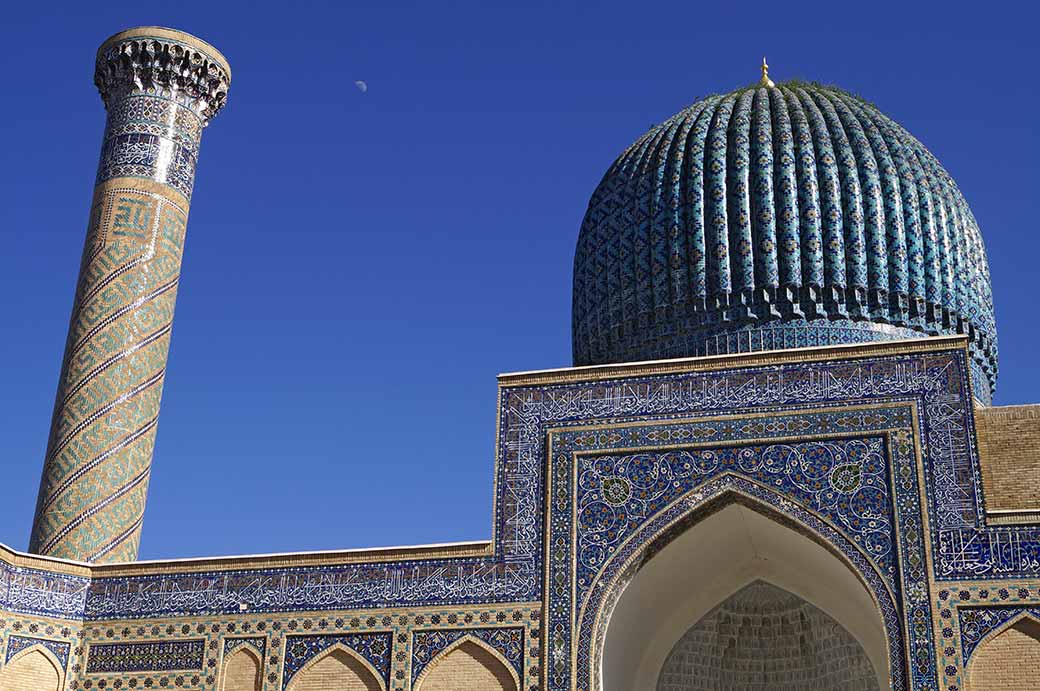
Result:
x=745 y=547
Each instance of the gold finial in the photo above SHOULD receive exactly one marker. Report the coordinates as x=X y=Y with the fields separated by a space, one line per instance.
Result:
x=765 y=80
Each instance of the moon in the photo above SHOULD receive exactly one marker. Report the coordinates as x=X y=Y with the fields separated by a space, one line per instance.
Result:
x=361 y=85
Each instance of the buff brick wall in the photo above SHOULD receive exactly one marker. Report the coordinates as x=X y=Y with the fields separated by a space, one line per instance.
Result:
x=1008 y=662
x=242 y=672
x=1009 y=451
x=331 y=670
x=32 y=671
x=468 y=667
x=338 y=671
x=763 y=638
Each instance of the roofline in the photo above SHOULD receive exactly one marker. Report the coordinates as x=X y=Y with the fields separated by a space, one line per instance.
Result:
x=705 y=363
x=479 y=548
x=471 y=548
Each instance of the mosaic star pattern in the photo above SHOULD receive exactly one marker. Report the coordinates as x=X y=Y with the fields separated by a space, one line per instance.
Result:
x=970 y=613
x=159 y=95
x=17 y=644
x=978 y=622
x=233 y=644
x=373 y=647
x=153 y=656
x=772 y=218
x=427 y=645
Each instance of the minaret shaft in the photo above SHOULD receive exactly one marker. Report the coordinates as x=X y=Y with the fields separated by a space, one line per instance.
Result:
x=160 y=88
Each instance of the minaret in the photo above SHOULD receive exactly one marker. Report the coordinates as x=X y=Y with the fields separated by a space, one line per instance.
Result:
x=160 y=88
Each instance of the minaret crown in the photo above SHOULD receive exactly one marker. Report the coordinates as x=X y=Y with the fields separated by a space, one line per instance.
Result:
x=166 y=63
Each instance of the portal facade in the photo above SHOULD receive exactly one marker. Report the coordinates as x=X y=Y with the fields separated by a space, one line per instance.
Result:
x=836 y=515
x=864 y=457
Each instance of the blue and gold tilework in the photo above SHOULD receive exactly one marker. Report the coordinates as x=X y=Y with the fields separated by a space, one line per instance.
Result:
x=507 y=641
x=159 y=656
x=779 y=216
x=373 y=648
x=17 y=644
x=770 y=218
x=160 y=88
x=867 y=449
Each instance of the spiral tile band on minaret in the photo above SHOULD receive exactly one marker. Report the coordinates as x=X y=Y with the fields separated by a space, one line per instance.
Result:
x=160 y=88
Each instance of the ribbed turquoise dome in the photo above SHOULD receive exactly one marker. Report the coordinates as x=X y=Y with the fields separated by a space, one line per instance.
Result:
x=783 y=217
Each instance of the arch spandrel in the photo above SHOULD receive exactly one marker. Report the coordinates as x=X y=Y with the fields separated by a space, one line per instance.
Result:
x=479 y=668
x=1007 y=657
x=338 y=667
x=242 y=670
x=880 y=540
x=32 y=669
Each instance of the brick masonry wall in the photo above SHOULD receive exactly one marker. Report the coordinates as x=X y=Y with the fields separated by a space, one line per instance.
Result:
x=1009 y=452
x=765 y=639
x=1008 y=662
x=337 y=671
x=32 y=671
x=468 y=667
x=242 y=672
x=150 y=651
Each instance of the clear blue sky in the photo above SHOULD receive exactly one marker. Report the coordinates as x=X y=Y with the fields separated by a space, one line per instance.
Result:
x=359 y=266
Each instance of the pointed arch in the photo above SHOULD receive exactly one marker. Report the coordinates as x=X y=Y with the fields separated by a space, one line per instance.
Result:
x=766 y=634
x=850 y=588
x=33 y=669
x=468 y=664
x=337 y=667
x=242 y=670
x=1002 y=659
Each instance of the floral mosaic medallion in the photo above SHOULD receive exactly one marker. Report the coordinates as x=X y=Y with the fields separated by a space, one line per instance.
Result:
x=616 y=491
x=614 y=508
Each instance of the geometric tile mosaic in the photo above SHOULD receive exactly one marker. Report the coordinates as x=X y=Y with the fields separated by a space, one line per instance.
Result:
x=987 y=607
x=872 y=454
x=427 y=645
x=616 y=495
x=233 y=644
x=373 y=647
x=153 y=656
x=16 y=644
x=787 y=216
x=159 y=87
x=978 y=622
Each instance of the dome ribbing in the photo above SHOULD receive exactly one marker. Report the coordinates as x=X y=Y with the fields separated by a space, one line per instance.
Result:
x=772 y=218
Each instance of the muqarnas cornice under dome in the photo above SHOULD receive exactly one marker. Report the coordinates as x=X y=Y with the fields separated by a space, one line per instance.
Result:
x=778 y=217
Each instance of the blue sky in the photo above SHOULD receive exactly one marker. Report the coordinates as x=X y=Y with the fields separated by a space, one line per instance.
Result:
x=360 y=266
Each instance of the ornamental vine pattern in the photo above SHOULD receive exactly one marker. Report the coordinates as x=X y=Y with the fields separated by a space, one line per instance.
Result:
x=844 y=480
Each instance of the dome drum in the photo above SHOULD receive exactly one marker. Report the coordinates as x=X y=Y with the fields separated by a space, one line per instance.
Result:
x=797 y=215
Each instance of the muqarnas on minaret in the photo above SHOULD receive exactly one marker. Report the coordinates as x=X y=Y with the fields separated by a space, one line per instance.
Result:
x=160 y=88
